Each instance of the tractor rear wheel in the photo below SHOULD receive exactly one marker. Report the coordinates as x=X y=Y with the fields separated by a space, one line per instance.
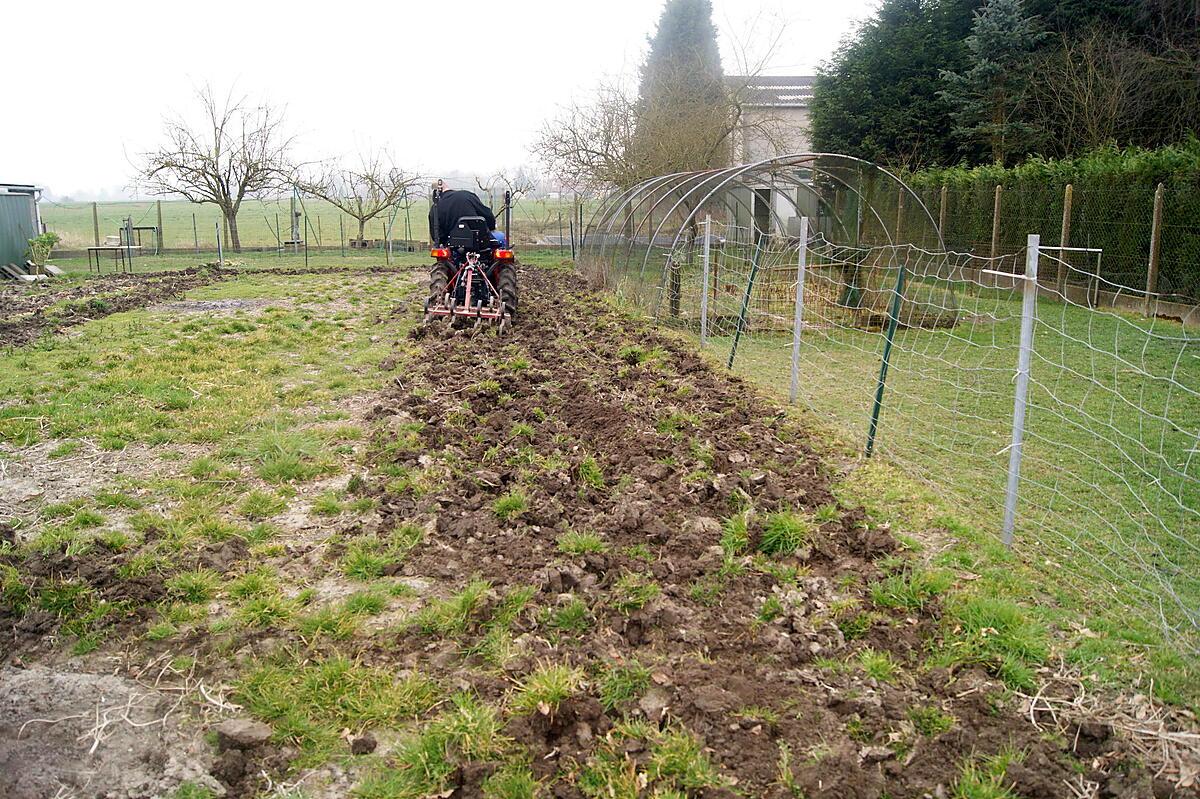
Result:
x=506 y=285
x=439 y=281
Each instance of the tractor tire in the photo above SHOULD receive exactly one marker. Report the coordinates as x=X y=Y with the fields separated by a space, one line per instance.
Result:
x=439 y=281
x=506 y=285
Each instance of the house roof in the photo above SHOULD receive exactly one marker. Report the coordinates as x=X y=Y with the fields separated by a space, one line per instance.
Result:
x=777 y=91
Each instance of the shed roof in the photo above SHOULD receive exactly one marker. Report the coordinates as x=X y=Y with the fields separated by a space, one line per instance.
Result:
x=777 y=91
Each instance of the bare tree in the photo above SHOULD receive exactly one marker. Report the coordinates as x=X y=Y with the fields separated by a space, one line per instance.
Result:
x=240 y=151
x=1103 y=87
x=590 y=143
x=615 y=139
x=612 y=140
x=517 y=185
x=373 y=187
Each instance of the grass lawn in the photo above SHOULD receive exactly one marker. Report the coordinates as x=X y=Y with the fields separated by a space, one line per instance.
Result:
x=156 y=377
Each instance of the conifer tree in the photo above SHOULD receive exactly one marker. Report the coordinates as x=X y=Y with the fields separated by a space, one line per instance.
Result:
x=987 y=98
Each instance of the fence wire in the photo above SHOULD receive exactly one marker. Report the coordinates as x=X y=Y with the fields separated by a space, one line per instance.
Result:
x=1109 y=491
x=266 y=223
x=1117 y=218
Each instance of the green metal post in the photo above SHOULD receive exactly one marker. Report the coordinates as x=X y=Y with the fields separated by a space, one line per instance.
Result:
x=893 y=321
x=741 y=323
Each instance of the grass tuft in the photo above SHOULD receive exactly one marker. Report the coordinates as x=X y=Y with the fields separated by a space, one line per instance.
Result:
x=997 y=634
x=591 y=474
x=453 y=615
x=633 y=592
x=911 y=589
x=194 y=586
x=623 y=683
x=929 y=720
x=546 y=688
x=877 y=665
x=573 y=543
x=511 y=505
x=784 y=533
x=310 y=704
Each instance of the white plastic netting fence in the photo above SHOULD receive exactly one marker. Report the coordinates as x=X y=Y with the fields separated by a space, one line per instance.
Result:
x=1109 y=494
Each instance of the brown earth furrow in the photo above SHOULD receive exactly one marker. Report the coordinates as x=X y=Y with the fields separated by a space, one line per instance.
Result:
x=682 y=448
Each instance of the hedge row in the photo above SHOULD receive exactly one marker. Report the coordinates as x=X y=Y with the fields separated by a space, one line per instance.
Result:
x=1112 y=208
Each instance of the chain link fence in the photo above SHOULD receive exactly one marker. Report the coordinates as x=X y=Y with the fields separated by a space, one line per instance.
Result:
x=1148 y=234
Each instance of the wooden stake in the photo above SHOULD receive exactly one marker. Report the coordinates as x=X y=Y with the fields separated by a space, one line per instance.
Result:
x=996 y=221
x=942 y=213
x=1155 y=247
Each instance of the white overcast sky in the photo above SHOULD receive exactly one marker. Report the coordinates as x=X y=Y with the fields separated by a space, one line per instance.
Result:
x=89 y=83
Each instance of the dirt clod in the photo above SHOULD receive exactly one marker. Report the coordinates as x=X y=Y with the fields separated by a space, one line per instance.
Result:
x=241 y=734
x=363 y=745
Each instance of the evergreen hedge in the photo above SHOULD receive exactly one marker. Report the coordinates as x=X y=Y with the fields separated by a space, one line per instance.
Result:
x=1112 y=209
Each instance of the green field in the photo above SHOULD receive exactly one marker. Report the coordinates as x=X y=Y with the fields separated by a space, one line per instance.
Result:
x=258 y=221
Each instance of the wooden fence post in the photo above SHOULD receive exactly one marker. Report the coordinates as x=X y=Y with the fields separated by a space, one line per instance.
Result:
x=899 y=214
x=159 y=249
x=1155 y=248
x=1064 y=240
x=996 y=221
x=96 y=222
x=942 y=213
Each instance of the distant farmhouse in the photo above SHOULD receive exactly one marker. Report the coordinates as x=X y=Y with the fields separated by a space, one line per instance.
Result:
x=775 y=116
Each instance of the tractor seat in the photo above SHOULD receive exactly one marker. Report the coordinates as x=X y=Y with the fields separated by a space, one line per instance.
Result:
x=470 y=233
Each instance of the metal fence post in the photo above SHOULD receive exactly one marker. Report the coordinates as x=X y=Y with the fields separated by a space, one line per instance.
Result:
x=797 y=322
x=893 y=322
x=741 y=321
x=1155 y=249
x=1028 y=314
x=704 y=280
x=129 y=241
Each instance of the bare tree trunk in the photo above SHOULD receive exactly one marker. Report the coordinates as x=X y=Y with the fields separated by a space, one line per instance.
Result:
x=231 y=225
x=362 y=229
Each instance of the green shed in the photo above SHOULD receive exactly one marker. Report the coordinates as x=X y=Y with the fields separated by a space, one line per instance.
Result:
x=19 y=221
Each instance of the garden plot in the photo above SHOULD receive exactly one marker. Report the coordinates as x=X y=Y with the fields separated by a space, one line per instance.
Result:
x=575 y=562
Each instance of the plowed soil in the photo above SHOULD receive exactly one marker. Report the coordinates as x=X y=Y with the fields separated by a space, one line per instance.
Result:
x=682 y=447
x=491 y=453
x=29 y=311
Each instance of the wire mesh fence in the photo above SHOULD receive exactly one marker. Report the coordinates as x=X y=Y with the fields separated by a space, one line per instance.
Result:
x=915 y=351
x=267 y=224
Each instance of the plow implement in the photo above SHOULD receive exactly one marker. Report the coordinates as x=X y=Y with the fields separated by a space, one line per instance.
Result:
x=472 y=295
x=473 y=281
